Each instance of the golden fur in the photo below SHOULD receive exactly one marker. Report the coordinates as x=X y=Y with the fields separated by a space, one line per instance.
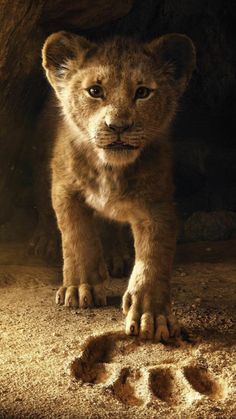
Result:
x=111 y=155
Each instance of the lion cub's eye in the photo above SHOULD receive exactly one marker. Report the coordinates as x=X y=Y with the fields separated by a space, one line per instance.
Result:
x=142 y=92
x=96 y=91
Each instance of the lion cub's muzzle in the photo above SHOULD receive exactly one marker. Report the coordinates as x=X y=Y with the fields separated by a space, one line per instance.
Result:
x=119 y=128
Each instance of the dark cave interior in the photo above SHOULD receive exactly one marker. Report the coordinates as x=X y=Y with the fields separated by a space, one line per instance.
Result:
x=204 y=130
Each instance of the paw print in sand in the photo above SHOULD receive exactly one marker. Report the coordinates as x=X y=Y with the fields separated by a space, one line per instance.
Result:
x=138 y=373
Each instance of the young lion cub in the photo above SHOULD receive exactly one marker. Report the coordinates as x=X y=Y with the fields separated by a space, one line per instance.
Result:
x=111 y=155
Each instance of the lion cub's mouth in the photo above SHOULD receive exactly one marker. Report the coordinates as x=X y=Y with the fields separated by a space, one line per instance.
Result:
x=119 y=145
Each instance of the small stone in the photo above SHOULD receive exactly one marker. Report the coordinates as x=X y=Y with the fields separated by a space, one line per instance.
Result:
x=70 y=387
x=56 y=334
x=183 y=274
x=208 y=249
x=91 y=314
x=149 y=404
x=114 y=319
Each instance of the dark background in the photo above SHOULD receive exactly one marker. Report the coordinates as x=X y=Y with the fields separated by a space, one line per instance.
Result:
x=204 y=130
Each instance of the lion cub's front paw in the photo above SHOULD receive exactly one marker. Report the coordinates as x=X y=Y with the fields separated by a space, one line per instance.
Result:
x=143 y=318
x=82 y=296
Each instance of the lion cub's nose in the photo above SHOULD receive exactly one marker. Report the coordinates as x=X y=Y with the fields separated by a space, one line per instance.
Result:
x=119 y=128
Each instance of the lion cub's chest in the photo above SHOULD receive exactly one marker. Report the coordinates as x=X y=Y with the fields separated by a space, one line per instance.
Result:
x=106 y=194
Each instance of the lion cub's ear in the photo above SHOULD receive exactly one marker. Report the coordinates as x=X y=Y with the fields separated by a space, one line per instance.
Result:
x=175 y=53
x=62 y=53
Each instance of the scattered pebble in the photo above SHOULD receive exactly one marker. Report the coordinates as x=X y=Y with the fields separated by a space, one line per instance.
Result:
x=114 y=319
x=71 y=387
x=54 y=349
x=91 y=314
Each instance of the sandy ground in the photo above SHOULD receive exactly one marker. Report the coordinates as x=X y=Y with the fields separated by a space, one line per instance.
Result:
x=62 y=363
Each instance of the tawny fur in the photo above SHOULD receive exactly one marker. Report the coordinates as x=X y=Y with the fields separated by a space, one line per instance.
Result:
x=129 y=186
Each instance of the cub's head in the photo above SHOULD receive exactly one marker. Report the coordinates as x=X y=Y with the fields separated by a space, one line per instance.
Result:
x=119 y=95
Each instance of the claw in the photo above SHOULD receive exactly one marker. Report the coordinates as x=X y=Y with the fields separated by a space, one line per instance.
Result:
x=60 y=296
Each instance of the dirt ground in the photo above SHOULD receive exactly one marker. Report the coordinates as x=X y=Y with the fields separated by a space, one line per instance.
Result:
x=62 y=363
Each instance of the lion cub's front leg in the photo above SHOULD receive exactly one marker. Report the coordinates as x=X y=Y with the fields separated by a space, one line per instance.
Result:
x=146 y=302
x=84 y=271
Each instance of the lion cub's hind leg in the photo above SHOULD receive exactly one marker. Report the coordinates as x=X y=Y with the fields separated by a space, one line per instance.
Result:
x=118 y=247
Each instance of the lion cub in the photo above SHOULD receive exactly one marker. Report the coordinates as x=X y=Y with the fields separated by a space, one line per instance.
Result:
x=111 y=155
